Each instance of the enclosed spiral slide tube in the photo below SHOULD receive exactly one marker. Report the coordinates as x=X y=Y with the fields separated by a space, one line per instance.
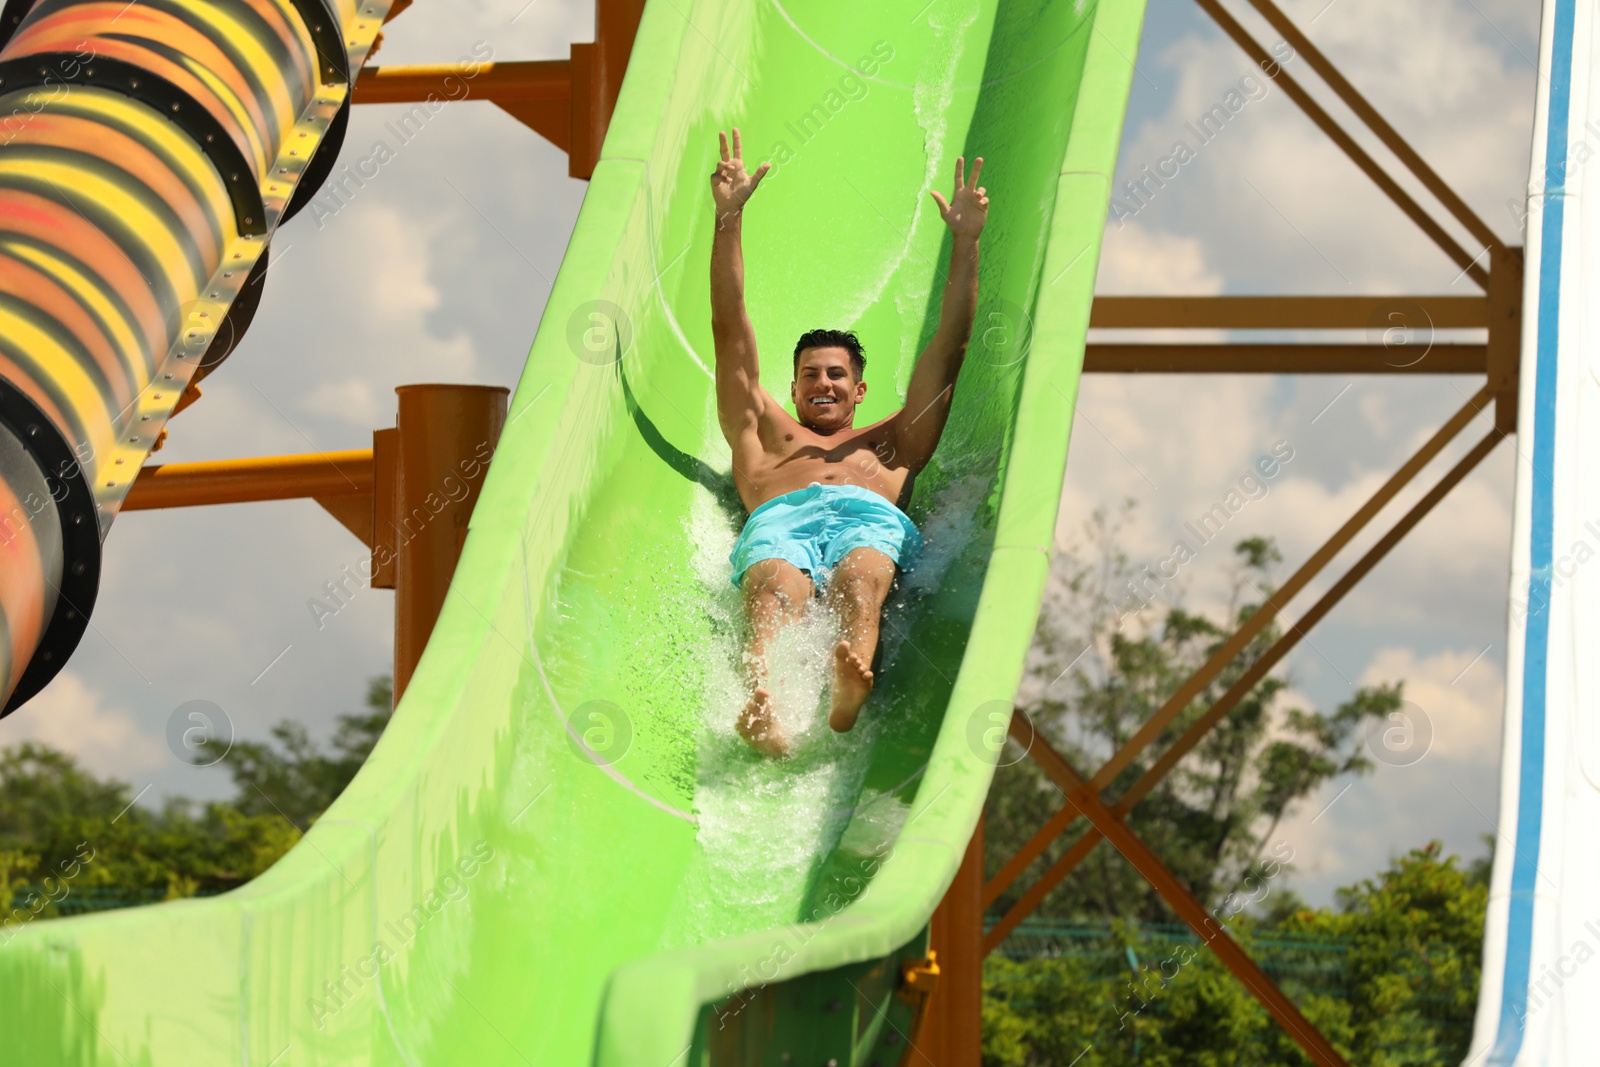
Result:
x=147 y=155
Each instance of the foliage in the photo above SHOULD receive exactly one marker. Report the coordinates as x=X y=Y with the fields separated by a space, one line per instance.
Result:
x=1394 y=987
x=1390 y=976
x=1114 y=643
x=298 y=782
x=66 y=835
x=1415 y=934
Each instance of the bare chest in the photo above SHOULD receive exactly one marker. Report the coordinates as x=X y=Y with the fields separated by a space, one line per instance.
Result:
x=793 y=458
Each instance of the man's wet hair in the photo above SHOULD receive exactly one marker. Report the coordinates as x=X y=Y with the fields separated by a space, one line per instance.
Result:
x=845 y=339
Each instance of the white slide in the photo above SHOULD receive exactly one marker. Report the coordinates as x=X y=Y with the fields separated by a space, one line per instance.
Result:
x=1539 y=1003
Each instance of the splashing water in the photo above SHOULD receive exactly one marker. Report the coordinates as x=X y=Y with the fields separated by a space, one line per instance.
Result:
x=767 y=826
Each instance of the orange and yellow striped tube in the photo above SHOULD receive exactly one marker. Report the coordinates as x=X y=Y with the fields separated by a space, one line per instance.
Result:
x=148 y=152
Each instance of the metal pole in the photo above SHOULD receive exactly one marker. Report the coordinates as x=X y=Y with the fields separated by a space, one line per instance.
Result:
x=446 y=435
x=952 y=1030
x=238 y=481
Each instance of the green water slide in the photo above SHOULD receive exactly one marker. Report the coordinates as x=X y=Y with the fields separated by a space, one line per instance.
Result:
x=560 y=853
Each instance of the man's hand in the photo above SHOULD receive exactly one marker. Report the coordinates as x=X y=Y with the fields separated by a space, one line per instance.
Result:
x=967 y=209
x=730 y=185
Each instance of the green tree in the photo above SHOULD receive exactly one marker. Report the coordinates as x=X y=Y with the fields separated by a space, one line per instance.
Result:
x=67 y=836
x=1415 y=938
x=61 y=824
x=1114 y=642
x=1389 y=976
x=296 y=779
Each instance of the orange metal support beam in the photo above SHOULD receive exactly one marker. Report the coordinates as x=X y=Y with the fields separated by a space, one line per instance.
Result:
x=1191 y=737
x=951 y=1030
x=1284 y=359
x=1505 y=332
x=1286 y=312
x=238 y=481
x=1084 y=798
x=616 y=23
x=502 y=83
x=444 y=437
x=537 y=93
x=1314 y=111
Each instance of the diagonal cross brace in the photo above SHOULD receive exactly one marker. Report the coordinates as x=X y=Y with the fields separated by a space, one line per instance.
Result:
x=1358 y=155
x=1230 y=649
x=1376 y=122
x=1081 y=796
x=1081 y=848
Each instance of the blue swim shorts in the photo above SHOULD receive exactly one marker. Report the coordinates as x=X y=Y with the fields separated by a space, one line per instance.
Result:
x=814 y=528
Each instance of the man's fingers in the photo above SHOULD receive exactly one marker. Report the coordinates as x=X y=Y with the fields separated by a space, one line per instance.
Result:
x=761 y=172
x=960 y=163
x=944 y=205
x=722 y=141
x=977 y=168
x=738 y=150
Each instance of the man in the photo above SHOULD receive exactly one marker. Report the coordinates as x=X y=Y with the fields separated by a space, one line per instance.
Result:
x=824 y=495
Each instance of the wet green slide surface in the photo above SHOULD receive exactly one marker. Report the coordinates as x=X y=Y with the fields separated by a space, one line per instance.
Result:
x=561 y=853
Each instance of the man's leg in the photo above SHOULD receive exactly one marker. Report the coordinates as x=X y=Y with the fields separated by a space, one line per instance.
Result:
x=776 y=593
x=856 y=590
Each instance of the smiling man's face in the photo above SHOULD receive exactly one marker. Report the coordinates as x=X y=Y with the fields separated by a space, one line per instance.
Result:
x=825 y=390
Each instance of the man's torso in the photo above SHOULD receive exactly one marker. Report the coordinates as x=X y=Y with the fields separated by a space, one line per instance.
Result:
x=781 y=456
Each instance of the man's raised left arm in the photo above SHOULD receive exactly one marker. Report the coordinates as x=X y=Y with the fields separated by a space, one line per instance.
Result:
x=933 y=380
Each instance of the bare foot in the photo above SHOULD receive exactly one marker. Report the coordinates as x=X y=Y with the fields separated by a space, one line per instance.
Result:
x=852 y=682
x=759 y=726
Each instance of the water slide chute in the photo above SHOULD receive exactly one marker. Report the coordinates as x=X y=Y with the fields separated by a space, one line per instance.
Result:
x=559 y=852
x=1538 y=989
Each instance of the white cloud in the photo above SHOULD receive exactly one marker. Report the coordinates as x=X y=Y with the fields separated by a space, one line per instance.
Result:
x=71 y=716
x=1136 y=259
x=1351 y=827
x=1459 y=694
x=351 y=399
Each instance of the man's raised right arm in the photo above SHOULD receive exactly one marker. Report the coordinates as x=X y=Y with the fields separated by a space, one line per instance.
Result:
x=738 y=371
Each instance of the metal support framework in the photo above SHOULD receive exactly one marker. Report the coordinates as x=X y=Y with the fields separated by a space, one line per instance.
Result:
x=1411 y=317
x=566 y=101
x=1191 y=737
x=239 y=481
x=1263 y=616
x=1498 y=313
x=408 y=497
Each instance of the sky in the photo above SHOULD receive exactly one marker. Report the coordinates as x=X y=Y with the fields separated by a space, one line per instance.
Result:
x=436 y=269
